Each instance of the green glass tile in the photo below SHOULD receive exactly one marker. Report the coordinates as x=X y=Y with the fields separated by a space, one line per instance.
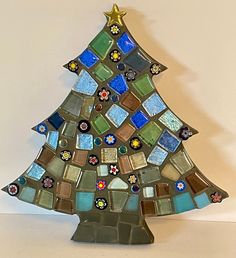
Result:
x=87 y=107
x=100 y=124
x=45 y=199
x=72 y=104
x=69 y=129
x=149 y=175
x=72 y=173
x=102 y=72
x=56 y=167
x=88 y=181
x=164 y=206
x=118 y=200
x=182 y=162
x=150 y=133
x=171 y=121
x=144 y=85
x=27 y=194
x=102 y=44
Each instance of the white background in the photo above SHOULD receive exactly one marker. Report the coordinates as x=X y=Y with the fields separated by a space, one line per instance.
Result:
x=195 y=39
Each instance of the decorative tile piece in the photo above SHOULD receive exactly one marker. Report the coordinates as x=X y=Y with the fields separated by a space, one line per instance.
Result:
x=109 y=155
x=143 y=85
x=125 y=132
x=45 y=156
x=183 y=202
x=180 y=185
x=132 y=203
x=202 y=200
x=72 y=104
x=27 y=194
x=163 y=190
x=117 y=183
x=125 y=43
x=56 y=167
x=157 y=156
x=79 y=157
x=64 y=190
x=118 y=84
x=35 y=172
x=110 y=139
x=84 y=201
x=139 y=119
x=170 y=172
x=84 y=126
x=138 y=160
x=46 y=199
x=137 y=60
x=171 y=121
x=168 y=141
x=154 y=104
x=148 y=208
x=63 y=205
x=52 y=139
x=102 y=170
x=72 y=173
x=87 y=107
x=164 y=206
x=196 y=183
x=150 y=133
x=149 y=175
x=100 y=124
x=182 y=162
x=148 y=192
x=116 y=115
x=56 y=120
x=84 y=141
x=102 y=72
x=130 y=101
x=69 y=129
x=88 y=58
x=88 y=181
x=124 y=164
x=135 y=143
x=118 y=200
x=102 y=44
x=85 y=84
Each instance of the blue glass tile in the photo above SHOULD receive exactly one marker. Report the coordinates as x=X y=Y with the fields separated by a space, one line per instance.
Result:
x=157 y=156
x=171 y=121
x=154 y=105
x=125 y=43
x=132 y=203
x=56 y=120
x=27 y=194
x=118 y=84
x=168 y=141
x=84 y=141
x=202 y=200
x=183 y=202
x=139 y=119
x=88 y=58
x=52 y=139
x=85 y=84
x=35 y=171
x=84 y=201
x=116 y=115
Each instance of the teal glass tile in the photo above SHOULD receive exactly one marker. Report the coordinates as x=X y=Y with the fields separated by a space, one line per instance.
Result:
x=84 y=141
x=85 y=84
x=27 y=194
x=132 y=203
x=84 y=201
x=157 y=156
x=35 y=171
x=116 y=115
x=202 y=200
x=183 y=202
x=154 y=104
x=171 y=121
x=52 y=139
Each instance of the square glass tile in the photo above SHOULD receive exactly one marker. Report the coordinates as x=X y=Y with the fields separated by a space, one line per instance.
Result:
x=118 y=84
x=84 y=141
x=45 y=156
x=170 y=172
x=102 y=72
x=52 y=139
x=164 y=206
x=130 y=101
x=182 y=162
x=183 y=202
x=148 y=192
x=143 y=85
x=88 y=181
x=169 y=141
x=72 y=104
x=196 y=183
x=88 y=58
x=80 y=157
x=56 y=167
x=148 y=207
x=56 y=120
x=125 y=43
x=202 y=200
x=149 y=175
x=171 y=121
x=45 y=199
x=85 y=84
x=138 y=160
x=157 y=156
x=124 y=164
x=27 y=194
x=163 y=189
x=100 y=124
x=137 y=60
x=150 y=133
x=72 y=173
x=154 y=105
x=35 y=172
x=125 y=132
x=102 y=44
x=84 y=201
x=102 y=170
x=87 y=107
x=116 y=115
x=139 y=119
x=109 y=155
x=69 y=129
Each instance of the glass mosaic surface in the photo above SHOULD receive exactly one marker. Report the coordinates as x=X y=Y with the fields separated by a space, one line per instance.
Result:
x=113 y=151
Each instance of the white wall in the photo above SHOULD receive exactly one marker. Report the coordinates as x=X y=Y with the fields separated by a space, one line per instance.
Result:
x=195 y=39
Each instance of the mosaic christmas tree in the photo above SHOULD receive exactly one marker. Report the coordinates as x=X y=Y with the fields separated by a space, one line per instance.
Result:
x=113 y=152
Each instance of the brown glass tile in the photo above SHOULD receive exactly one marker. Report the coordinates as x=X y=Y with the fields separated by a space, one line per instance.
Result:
x=130 y=101
x=64 y=190
x=45 y=156
x=63 y=205
x=196 y=183
x=148 y=208
x=80 y=157
x=124 y=164
x=125 y=132
x=163 y=189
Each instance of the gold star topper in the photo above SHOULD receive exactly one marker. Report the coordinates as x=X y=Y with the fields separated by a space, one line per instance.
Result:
x=115 y=16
